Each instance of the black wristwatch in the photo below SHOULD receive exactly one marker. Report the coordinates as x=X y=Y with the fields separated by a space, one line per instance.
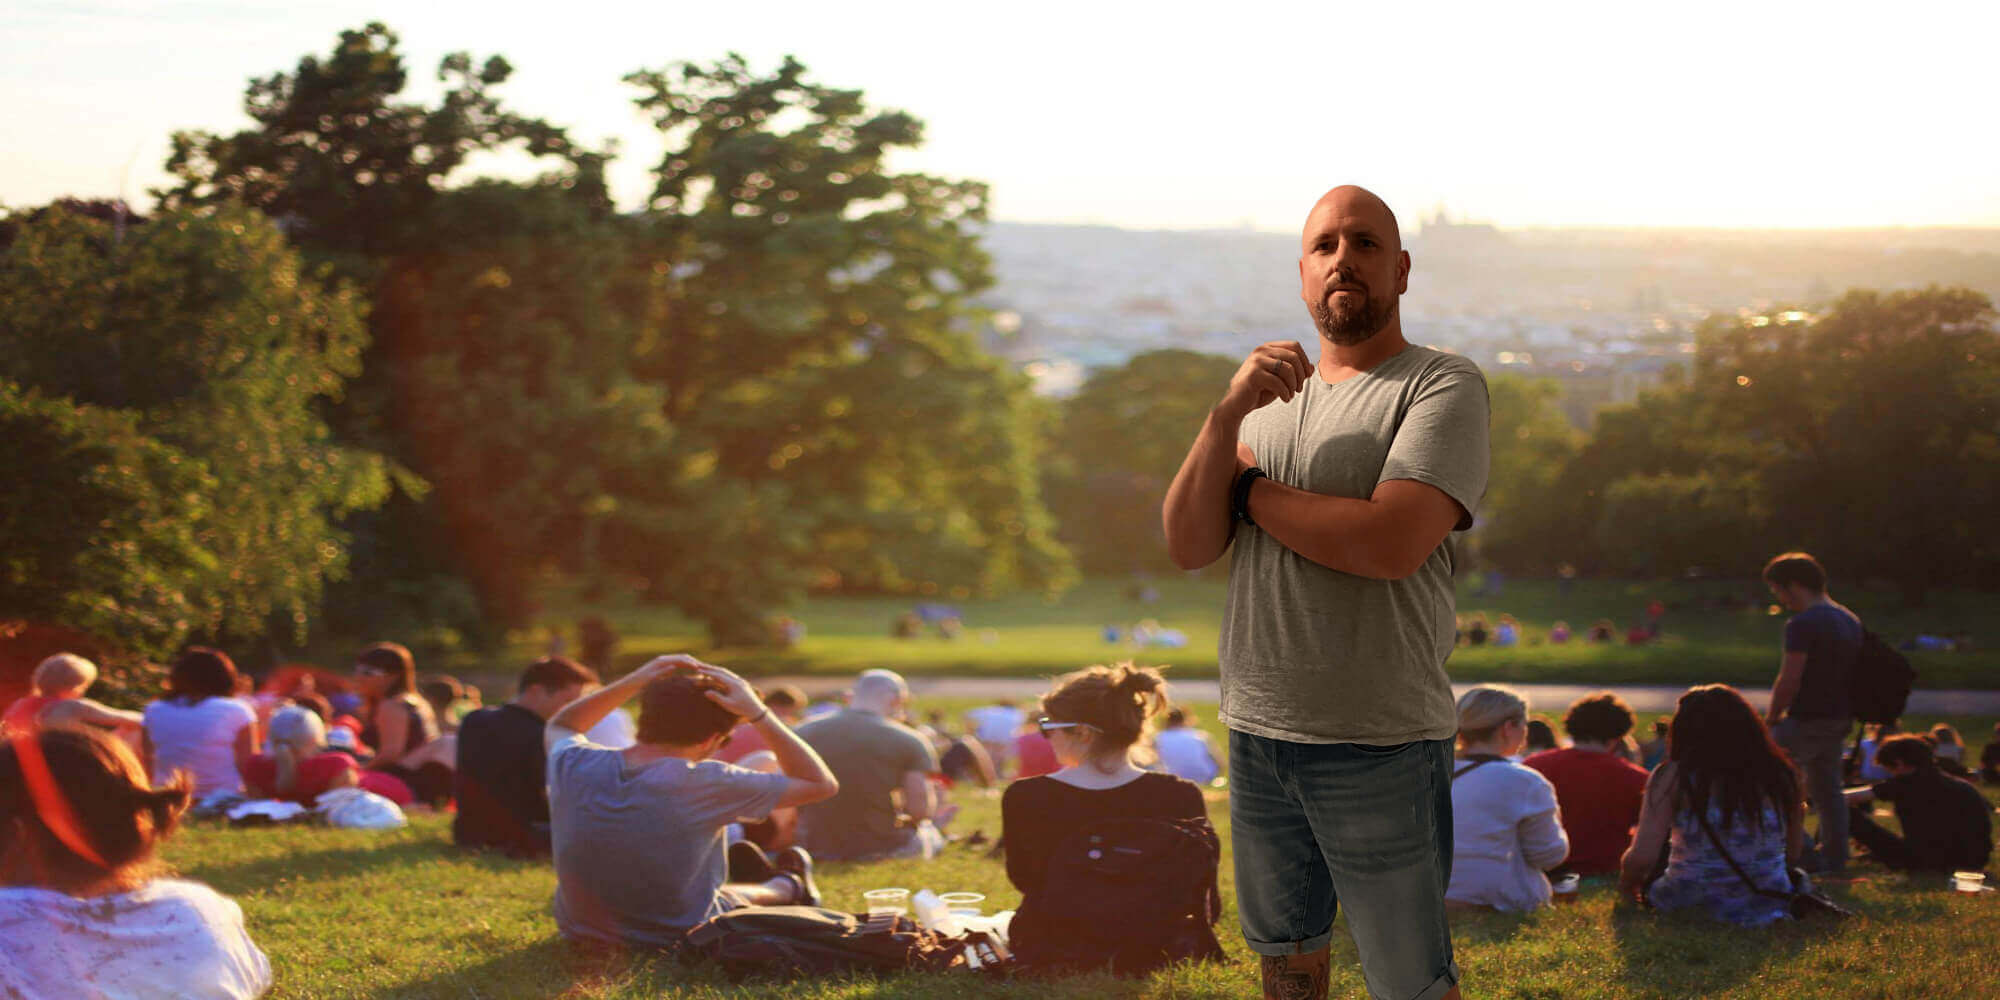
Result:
x=1239 y=496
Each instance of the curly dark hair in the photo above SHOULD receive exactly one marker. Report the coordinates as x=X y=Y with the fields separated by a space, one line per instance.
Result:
x=1598 y=718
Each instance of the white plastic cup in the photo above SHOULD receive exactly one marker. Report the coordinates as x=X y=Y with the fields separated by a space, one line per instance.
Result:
x=963 y=904
x=887 y=904
x=1969 y=881
x=1565 y=887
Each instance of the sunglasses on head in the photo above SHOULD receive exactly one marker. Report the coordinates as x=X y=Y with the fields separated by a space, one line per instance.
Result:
x=1048 y=725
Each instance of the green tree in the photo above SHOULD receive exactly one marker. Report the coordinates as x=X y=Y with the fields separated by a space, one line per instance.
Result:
x=102 y=537
x=1524 y=524
x=1120 y=440
x=206 y=328
x=1872 y=428
x=814 y=333
x=348 y=168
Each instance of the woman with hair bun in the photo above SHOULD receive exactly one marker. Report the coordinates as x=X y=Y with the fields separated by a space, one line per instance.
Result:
x=1092 y=719
x=83 y=908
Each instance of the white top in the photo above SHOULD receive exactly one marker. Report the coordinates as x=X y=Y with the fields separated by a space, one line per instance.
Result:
x=996 y=723
x=1506 y=831
x=617 y=731
x=168 y=940
x=199 y=739
x=1185 y=753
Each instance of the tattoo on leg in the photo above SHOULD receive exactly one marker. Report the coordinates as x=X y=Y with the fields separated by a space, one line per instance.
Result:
x=1295 y=977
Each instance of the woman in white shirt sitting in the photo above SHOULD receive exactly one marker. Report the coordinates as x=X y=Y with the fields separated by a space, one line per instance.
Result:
x=1506 y=829
x=201 y=727
x=84 y=911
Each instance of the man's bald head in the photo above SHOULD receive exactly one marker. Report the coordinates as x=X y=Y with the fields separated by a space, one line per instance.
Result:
x=1353 y=200
x=1352 y=268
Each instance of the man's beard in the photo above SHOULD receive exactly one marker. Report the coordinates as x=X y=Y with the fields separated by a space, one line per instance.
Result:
x=1348 y=327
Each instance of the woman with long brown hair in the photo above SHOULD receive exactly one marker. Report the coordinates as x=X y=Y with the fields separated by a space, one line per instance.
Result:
x=1725 y=794
x=398 y=720
x=84 y=909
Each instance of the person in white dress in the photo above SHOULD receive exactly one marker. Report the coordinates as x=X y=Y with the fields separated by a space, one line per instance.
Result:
x=84 y=911
x=1506 y=828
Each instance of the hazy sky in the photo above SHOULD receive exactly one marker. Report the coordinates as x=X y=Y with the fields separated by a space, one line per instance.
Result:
x=1741 y=114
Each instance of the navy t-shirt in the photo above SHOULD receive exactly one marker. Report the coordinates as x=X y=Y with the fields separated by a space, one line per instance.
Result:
x=1830 y=636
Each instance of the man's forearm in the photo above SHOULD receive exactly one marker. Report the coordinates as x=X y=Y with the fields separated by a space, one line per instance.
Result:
x=1341 y=533
x=1782 y=693
x=796 y=759
x=1196 y=514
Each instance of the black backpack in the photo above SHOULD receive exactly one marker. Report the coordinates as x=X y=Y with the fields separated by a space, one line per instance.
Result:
x=814 y=941
x=1135 y=894
x=1878 y=685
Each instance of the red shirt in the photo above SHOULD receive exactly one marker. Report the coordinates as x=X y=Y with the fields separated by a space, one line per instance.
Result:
x=1599 y=795
x=316 y=774
x=1037 y=755
x=744 y=740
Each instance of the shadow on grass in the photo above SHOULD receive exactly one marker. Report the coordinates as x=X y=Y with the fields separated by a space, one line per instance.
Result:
x=1687 y=954
x=262 y=873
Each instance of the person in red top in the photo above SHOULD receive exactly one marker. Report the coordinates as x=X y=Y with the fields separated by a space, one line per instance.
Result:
x=1598 y=791
x=1035 y=754
x=299 y=767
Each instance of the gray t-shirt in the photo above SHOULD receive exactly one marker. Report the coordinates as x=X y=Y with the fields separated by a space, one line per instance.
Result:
x=1314 y=655
x=639 y=852
x=868 y=755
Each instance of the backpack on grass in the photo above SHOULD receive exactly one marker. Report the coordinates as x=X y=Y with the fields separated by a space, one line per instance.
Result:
x=1878 y=685
x=814 y=941
x=1135 y=894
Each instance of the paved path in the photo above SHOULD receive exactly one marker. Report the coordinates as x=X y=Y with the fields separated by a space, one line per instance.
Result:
x=1549 y=698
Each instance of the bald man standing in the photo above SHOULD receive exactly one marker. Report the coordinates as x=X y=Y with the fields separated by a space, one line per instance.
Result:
x=1341 y=483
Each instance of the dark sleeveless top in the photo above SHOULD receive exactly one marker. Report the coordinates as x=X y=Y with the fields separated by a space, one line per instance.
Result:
x=421 y=730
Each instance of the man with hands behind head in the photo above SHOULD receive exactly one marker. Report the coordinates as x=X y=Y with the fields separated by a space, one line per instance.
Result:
x=638 y=833
x=1340 y=484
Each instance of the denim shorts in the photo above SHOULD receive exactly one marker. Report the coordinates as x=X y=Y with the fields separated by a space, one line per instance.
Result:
x=1318 y=826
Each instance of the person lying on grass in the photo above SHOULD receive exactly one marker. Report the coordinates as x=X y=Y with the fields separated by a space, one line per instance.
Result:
x=84 y=911
x=638 y=833
x=57 y=701
x=1947 y=825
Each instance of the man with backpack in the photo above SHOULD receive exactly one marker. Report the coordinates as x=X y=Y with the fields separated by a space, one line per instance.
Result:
x=1811 y=709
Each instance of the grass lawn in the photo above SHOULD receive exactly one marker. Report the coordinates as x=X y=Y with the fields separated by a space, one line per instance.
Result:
x=1028 y=636
x=401 y=914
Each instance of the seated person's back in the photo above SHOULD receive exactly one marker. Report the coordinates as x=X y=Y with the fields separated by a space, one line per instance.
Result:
x=1184 y=750
x=299 y=767
x=201 y=727
x=1599 y=791
x=638 y=833
x=1506 y=828
x=499 y=779
x=1092 y=719
x=105 y=925
x=878 y=762
x=1723 y=774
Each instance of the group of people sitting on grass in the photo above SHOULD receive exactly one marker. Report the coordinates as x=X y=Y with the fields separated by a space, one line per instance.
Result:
x=1717 y=826
x=724 y=798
